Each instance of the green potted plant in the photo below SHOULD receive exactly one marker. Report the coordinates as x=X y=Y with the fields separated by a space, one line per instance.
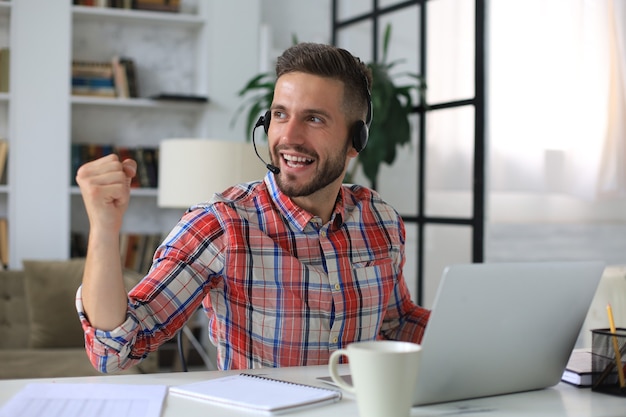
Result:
x=391 y=105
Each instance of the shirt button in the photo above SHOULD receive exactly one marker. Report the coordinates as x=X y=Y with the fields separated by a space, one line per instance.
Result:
x=335 y=339
x=337 y=286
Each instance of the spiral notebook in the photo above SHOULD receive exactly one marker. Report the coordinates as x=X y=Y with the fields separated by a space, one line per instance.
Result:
x=253 y=392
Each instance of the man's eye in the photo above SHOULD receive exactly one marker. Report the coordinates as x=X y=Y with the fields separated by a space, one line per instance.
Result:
x=278 y=115
x=315 y=119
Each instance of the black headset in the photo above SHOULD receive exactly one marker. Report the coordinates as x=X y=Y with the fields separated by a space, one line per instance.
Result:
x=359 y=131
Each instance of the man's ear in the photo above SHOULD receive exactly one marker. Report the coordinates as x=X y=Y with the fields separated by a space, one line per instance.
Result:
x=352 y=152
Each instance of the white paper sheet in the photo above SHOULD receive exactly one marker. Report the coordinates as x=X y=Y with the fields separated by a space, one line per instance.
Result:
x=86 y=400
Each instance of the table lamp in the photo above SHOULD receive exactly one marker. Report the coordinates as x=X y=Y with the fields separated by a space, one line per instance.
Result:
x=192 y=170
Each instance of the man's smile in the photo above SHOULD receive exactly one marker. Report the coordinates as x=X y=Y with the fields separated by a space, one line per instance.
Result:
x=295 y=161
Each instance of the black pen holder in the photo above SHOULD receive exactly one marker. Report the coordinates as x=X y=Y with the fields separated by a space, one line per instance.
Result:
x=604 y=346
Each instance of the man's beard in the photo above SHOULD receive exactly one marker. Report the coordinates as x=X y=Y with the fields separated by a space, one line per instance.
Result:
x=325 y=174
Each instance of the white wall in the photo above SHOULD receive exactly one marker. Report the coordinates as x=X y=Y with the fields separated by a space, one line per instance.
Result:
x=309 y=20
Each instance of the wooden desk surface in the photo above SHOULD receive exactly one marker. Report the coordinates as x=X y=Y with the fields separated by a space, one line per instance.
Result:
x=561 y=400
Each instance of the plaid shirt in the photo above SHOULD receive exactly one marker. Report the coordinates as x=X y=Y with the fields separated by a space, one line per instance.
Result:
x=279 y=287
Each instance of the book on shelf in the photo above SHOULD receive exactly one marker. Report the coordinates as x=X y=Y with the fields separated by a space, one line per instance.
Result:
x=151 y=159
x=125 y=152
x=120 y=80
x=4 y=154
x=104 y=92
x=124 y=76
x=142 y=167
x=147 y=159
x=257 y=393
x=104 y=3
x=121 y=4
x=99 y=69
x=129 y=248
x=137 y=250
x=92 y=82
x=151 y=5
x=131 y=76
x=5 y=64
x=4 y=242
x=116 y=78
x=82 y=153
x=147 y=166
x=78 y=245
x=157 y=5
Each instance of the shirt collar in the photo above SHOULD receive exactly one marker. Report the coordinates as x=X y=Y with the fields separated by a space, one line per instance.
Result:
x=294 y=213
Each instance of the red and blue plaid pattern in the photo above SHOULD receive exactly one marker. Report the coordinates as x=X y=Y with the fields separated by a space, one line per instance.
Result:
x=279 y=287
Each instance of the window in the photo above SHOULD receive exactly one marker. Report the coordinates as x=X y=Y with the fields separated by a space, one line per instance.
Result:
x=437 y=182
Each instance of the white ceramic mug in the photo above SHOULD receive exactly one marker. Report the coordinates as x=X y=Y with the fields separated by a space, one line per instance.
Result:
x=384 y=375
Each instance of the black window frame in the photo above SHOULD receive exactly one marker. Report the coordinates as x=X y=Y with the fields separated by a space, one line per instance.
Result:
x=477 y=220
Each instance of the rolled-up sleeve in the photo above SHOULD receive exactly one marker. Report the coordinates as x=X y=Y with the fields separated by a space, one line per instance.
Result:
x=109 y=351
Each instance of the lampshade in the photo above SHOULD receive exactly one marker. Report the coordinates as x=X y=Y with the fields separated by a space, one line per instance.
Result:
x=192 y=170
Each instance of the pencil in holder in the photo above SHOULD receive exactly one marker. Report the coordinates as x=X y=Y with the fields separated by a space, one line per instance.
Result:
x=608 y=354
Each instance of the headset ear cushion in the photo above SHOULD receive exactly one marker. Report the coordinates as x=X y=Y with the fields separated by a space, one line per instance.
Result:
x=266 y=121
x=360 y=134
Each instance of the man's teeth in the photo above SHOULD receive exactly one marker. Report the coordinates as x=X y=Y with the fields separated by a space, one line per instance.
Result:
x=296 y=161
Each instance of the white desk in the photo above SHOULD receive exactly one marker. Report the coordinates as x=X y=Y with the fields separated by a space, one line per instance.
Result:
x=561 y=400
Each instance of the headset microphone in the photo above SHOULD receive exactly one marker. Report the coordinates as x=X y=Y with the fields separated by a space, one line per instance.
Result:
x=263 y=121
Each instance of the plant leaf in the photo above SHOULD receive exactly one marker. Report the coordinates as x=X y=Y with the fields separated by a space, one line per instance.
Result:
x=263 y=85
x=386 y=39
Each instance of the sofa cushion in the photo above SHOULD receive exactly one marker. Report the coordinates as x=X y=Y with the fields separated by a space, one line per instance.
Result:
x=50 y=291
x=50 y=288
x=14 y=319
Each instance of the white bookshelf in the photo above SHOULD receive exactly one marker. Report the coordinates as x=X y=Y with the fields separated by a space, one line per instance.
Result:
x=208 y=49
x=168 y=57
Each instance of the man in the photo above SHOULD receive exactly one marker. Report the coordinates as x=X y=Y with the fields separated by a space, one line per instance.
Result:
x=288 y=269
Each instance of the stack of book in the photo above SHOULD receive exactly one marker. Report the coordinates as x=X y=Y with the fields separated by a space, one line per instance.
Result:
x=147 y=158
x=114 y=78
x=91 y=78
x=579 y=371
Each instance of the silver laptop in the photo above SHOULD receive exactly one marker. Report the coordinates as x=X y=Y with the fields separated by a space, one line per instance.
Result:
x=500 y=328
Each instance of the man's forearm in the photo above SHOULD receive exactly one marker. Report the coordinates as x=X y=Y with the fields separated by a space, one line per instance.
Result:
x=104 y=295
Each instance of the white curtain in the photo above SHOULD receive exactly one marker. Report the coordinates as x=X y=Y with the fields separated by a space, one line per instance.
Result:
x=557 y=97
x=612 y=181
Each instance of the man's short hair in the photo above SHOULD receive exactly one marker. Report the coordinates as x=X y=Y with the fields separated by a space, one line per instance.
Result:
x=336 y=63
